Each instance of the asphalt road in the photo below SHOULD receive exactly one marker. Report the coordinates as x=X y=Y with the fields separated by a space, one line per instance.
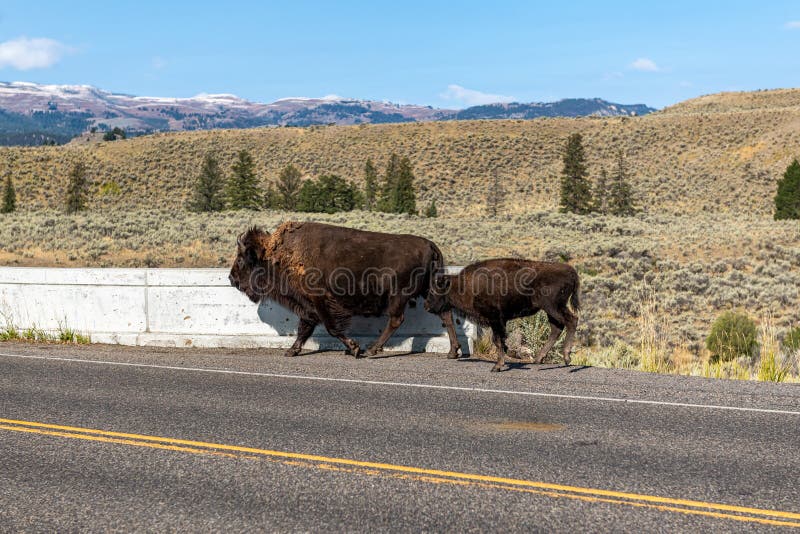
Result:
x=105 y=438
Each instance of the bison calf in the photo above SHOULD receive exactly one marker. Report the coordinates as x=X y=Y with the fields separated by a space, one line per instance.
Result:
x=493 y=292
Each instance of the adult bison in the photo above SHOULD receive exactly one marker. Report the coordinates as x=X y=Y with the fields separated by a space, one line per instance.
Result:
x=328 y=274
x=493 y=292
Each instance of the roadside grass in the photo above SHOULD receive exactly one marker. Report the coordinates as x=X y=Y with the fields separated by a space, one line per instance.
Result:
x=35 y=334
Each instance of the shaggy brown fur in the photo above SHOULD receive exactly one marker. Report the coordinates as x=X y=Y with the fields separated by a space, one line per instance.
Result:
x=493 y=292
x=327 y=274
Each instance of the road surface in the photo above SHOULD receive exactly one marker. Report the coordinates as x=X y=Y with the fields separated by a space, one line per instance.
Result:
x=152 y=439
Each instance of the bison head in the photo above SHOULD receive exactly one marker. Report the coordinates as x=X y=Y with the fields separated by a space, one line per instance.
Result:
x=249 y=272
x=437 y=299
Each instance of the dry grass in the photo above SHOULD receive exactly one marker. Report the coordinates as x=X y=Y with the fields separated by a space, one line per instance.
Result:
x=696 y=265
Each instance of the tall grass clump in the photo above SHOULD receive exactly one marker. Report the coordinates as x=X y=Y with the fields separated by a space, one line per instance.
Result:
x=653 y=343
x=733 y=335
x=771 y=366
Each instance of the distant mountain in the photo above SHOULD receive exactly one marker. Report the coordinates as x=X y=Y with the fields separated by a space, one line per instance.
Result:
x=33 y=114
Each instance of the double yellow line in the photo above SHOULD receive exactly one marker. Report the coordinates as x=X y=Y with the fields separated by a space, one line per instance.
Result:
x=637 y=500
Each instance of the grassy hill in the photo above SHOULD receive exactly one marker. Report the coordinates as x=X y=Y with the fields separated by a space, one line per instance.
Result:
x=721 y=153
x=705 y=174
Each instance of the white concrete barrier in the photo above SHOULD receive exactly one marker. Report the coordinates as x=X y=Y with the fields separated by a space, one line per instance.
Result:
x=184 y=307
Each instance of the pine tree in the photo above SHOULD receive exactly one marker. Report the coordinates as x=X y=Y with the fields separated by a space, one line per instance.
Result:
x=9 y=197
x=328 y=194
x=576 y=195
x=405 y=197
x=388 y=198
x=600 y=193
x=620 y=194
x=208 y=190
x=288 y=187
x=242 y=189
x=370 y=186
x=787 y=198
x=77 y=189
x=496 y=197
x=272 y=200
x=431 y=212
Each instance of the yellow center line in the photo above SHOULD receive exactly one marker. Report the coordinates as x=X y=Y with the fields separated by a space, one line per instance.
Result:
x=684 y=506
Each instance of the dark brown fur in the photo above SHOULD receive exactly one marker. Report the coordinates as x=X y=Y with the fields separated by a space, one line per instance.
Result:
x=328 y=274
x=493 y=292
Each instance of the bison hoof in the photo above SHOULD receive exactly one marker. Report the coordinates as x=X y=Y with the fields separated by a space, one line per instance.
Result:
x=291 y=353
x=357 y=352
x=372 y=351
x=454 y=353
x=497 y=368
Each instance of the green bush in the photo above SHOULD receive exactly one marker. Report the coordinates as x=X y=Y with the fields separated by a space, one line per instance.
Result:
x=792 y=340
x=733 y=335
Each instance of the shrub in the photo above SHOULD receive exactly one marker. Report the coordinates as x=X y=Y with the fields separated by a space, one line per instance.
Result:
x=792 y=340
x=733 y=335
x=77 y=190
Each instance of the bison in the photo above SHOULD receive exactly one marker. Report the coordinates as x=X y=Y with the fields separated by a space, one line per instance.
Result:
x=493 y=292
x=328 y=274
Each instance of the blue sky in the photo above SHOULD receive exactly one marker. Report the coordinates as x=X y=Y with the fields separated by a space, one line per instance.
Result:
x=444 y=54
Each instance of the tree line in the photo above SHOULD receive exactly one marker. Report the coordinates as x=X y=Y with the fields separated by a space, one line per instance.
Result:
x=393 y=192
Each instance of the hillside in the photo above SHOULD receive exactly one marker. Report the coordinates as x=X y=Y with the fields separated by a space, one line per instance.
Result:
x=683 y=162
x=738 y=101
x=33 y=113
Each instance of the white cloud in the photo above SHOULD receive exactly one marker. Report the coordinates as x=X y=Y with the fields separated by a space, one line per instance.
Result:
x=26 y=54
x=793 y=25
x=645 y=65
x=472 y=97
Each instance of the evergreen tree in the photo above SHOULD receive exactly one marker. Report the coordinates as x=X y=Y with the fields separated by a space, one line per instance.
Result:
x=370 y=186
x=787 y=199
x=496 y=197
x=208 y=190
x=9 y=197
x=431 y=212
x=272 y=200
x=576 y=195
x=288 y=187
x=242 y=188
x=328 y=194
x=405 y=197
x=600 y=193
x=77 y=189
x=388 y=198
x=620 y=194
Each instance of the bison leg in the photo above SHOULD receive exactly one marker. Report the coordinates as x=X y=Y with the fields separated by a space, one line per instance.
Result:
x=336 y=327
x=455 y=346
x=394 y=323
x=304 y=330
x=572 y=325
x=499 y=337
x=556 y=327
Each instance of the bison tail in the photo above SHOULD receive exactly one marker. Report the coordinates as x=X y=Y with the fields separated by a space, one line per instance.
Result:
x=575 y=298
